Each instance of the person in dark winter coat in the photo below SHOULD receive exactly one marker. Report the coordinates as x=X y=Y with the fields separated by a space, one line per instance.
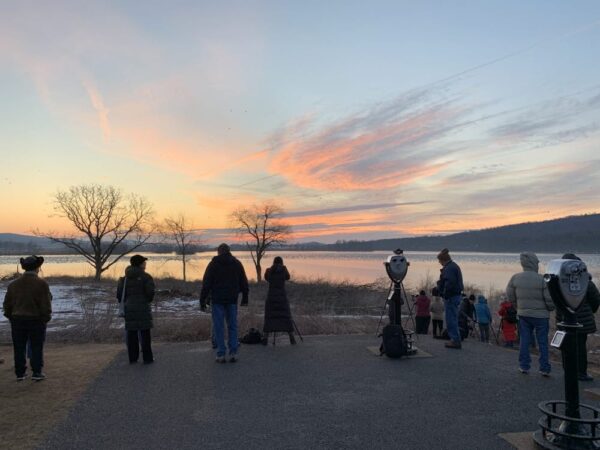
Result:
x=584 y=316
x=223 y=280
x=278 y=316
x=28 y=306
x=466 y=315
x=136 y=289
x=423 y=315
x=450 y=287
x=484 y=318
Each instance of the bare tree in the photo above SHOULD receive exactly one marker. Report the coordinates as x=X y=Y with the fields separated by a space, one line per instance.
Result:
x=263 y=227
x=181 y=230
x=112 y=223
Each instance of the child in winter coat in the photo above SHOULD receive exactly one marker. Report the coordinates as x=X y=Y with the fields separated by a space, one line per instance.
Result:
x=437 y=315
x=484 y=318
x=508 y=323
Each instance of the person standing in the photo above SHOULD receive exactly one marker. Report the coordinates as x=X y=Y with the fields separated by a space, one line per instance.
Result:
x=450 y=287
x=28 y=306
x=437 y=315
x=466 y=316
x=423 y=315
x=585 y=317
x=484 y=318
x=136 y=289
x=528 y=291
x=223 y=280
x=508 y=322
x=278 y=316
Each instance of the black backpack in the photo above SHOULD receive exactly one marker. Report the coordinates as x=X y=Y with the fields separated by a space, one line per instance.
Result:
x=253 y=336
x=511 y=314
x=393 y=343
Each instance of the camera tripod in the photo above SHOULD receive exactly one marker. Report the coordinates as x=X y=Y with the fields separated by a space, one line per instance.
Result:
x=395 y=299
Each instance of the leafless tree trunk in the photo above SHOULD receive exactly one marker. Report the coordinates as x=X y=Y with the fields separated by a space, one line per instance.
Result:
x=181 y=230
x=263 y=226
x=108 y=220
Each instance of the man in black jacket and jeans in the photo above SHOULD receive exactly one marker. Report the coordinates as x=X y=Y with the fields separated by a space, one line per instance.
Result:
x=223 y=280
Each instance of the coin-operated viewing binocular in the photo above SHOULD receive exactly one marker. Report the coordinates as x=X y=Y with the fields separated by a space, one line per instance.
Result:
x=567 y=281
x=396 y=266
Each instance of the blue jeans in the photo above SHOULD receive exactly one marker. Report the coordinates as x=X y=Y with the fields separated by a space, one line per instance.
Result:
x=225 y=313
x=451 y=312
x=527 y=325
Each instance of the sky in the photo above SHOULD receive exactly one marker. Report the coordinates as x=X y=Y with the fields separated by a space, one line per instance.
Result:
x=363 y=120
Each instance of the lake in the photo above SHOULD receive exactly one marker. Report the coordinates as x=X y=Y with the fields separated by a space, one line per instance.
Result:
x=486 y=270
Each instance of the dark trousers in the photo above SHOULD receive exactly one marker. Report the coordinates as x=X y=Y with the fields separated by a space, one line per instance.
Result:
x=133 y=345
x=437 y=324
x=33 y=331
x=422 y=323
x=484 y=332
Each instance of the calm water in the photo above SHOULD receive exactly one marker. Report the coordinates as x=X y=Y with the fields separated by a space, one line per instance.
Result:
x=482 y=269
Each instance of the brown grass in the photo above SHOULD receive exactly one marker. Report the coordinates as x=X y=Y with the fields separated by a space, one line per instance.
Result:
x=30 y=410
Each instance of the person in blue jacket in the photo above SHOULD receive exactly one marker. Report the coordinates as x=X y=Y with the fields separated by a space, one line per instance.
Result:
x=483 y=317
x=450 y=287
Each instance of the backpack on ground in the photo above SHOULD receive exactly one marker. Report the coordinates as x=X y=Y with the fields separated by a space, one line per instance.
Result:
x=253 y=336
x=394 y=343
x=511 y=314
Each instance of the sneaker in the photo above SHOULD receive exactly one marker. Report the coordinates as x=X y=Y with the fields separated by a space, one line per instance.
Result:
x=38 y=377
x=585 y=377
x=544 y=373
x=22 y=377
x=523 y=371
x=233 y=358
x=220 y=359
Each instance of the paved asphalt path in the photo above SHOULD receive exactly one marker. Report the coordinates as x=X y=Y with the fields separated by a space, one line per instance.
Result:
x=329 y=392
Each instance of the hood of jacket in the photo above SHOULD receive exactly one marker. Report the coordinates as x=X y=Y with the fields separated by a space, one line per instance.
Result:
x=482 y=300
x=530 y=262
x=134 y=272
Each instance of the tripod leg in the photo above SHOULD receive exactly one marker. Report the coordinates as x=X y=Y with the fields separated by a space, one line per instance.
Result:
x=383 y=310
x=410 y=310
x=297 y=330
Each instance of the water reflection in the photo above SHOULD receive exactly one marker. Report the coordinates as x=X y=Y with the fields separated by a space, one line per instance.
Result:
x=486 y=270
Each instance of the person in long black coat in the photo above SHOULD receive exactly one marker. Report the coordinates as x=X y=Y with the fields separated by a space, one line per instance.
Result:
x=139 y=293
x=278 y=317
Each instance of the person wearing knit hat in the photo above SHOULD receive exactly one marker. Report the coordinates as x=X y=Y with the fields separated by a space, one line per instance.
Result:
x=585 y=316
x=28 y=306
x=450 y=287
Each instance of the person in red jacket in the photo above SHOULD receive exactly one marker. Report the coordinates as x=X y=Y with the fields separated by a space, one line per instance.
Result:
x=423 y=316
x=508 y=323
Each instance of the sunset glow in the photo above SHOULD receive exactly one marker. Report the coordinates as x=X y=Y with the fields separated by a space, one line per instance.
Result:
x=364 y=120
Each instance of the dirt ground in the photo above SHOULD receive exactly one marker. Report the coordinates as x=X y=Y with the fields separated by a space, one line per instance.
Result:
x=30 y=409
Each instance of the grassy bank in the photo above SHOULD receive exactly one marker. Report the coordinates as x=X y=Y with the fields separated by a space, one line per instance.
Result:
x=30 y=410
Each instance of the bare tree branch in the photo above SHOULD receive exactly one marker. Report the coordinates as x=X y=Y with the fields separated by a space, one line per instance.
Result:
x=107 y=219
x=264 y=226
x=181 y=230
